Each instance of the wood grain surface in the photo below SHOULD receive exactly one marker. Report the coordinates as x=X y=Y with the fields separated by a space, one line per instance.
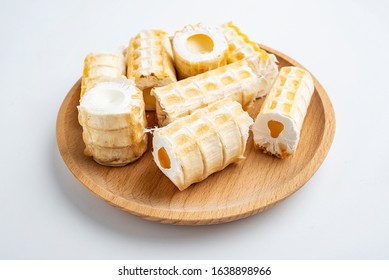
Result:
x=240 y=190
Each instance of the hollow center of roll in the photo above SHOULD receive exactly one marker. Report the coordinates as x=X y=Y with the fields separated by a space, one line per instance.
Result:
x=149 y=99
x=200 y=43
x=275 y=128
x=107 y=99
x=163 y=158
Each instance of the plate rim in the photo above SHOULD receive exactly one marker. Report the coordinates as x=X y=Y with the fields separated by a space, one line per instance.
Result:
x=214 y=216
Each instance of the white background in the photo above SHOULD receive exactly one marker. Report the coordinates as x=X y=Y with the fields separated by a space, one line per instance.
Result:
x=341 y=213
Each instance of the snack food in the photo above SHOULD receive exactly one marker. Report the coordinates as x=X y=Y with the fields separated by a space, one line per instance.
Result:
x=149 y=62
x=277 y=127
x=221 y=73
x=101 y=67
x=237 y=81
x=113 y=119
x=192 y=148
x=241 y=47
x=197 y=49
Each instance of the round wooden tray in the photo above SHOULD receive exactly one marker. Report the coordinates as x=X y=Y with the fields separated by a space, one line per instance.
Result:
x=240 y=190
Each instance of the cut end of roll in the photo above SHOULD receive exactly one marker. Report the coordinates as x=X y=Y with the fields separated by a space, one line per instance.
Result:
x=197 y=49
x=275 y=134
x=111 y=97
x=163 y=155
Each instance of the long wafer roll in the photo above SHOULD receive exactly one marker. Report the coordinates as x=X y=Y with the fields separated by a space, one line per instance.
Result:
x=149 y=62
x=278 y=124
x=237 y=81
x=192 y=148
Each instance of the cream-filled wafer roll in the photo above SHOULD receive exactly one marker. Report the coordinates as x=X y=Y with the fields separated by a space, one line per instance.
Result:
x=192 y=148
x=150 y=63
x=113 y=119
x=101 y=67
x=277 y=127
x=237 y=81
x=241 y=47
x=197 y=49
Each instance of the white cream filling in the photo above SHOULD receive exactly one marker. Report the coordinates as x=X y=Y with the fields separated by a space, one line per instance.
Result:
x=109 y=98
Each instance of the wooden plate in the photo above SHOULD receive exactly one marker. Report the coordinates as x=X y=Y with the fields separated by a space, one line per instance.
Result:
x=240 y=190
